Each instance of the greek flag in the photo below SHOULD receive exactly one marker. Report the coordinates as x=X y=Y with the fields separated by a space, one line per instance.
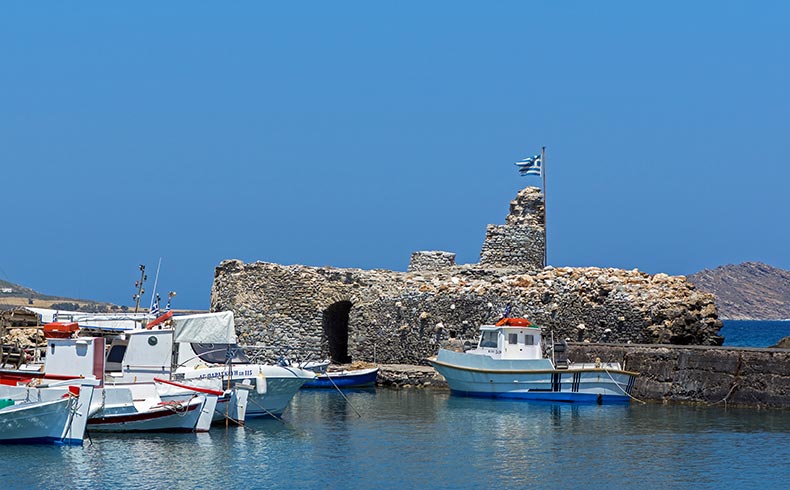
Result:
x=155 y=308
x=530 y=166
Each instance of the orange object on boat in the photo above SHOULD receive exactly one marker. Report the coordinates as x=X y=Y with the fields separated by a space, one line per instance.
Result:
x=160 y=319
x=59 y=330
x=514 y=322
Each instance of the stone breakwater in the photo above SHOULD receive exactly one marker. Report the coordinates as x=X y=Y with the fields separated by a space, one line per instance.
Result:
x=735 y=376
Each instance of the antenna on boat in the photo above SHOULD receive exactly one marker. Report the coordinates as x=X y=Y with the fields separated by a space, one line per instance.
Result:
x=156 y=280
x=139 y=286
x=170 y=297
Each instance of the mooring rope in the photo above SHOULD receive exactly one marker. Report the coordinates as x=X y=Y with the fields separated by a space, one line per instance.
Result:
x=620 y=387
x=732 y=388
x=240 y=423
x=267 y=412
x=343 y=395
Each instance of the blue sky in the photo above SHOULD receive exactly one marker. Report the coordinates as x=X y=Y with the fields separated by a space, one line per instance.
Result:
x=353 y=133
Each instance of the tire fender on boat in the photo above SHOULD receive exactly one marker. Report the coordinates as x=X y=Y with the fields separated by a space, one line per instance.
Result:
x=260 y=384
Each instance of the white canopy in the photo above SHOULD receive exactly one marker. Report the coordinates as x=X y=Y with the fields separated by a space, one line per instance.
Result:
x=205 y=328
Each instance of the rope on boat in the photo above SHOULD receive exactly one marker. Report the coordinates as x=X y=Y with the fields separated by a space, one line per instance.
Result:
x=178 y=408
x=74 y=409
x=620 y=387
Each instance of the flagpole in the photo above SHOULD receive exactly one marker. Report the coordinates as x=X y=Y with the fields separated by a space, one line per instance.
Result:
x=545 y=226
x=156 y=279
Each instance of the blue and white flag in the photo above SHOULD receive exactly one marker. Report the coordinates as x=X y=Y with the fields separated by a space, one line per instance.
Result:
x=530 y=166
x=155 y=307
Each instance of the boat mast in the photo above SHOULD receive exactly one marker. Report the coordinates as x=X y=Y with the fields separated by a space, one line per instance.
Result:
x=139 y=286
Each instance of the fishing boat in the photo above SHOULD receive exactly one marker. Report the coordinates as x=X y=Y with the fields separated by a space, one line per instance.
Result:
x=508 y=362
x=342 y=378
x=155 y=405
x=122 y=411
x=192 y=349
x=48 y=416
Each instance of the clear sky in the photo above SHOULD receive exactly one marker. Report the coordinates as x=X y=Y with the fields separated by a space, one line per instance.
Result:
x=351 y=134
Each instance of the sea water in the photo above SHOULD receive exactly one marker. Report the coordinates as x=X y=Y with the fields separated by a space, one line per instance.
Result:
x=753 y=333
x=428 y=439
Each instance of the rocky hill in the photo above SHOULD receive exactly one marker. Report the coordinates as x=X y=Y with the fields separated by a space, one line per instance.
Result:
x=15 y=296
x=751 y=290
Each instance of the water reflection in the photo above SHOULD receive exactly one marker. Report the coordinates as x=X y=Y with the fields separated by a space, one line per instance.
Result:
x=429 y=439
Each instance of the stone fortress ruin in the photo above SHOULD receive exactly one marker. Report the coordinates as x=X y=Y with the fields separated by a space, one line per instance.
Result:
x=403 y=317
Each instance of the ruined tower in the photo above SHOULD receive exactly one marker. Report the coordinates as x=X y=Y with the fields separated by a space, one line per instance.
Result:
x=521 y=241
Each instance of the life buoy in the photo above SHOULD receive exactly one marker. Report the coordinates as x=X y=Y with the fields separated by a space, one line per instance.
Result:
x=160 y=319
x=513 y=322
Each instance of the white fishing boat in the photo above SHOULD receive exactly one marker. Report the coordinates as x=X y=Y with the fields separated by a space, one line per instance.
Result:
x=123 y=411
x=49 y=417
x=122 y=406
x=188 y=349
x=508 y=362
x=194 y=348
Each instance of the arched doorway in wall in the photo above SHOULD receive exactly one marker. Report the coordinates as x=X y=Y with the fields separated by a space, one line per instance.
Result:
x=335 y=323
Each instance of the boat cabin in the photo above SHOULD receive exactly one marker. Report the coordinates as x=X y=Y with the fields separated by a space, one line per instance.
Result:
x=143 y=354
x=510 y=342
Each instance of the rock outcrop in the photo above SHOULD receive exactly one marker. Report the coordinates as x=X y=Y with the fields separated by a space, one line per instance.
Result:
x=748 y=291
x=396 y=317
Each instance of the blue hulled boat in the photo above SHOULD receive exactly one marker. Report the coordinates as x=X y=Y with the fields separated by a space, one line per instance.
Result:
x=508 y=363
x=354 y=378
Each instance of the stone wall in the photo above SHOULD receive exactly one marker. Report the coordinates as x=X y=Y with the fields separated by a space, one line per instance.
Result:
x=736 y=376
x=402 y=318
x=431 y=261
x=394 y=317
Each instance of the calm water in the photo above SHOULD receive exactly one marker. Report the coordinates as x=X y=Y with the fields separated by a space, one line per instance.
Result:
x=428 y=439
x=750 y=333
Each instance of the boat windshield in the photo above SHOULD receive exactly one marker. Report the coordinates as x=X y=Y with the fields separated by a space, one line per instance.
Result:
x=488 y=339
x=217 y=353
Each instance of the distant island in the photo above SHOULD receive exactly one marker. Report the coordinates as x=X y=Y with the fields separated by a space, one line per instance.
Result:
x=747 y=291
x=16 y=296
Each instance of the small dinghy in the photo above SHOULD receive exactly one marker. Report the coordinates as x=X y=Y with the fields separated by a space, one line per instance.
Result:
x=343 y=378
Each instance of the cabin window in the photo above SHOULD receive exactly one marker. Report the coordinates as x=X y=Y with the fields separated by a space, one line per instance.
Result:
x=529 y=340
x=217 y=353
x=116 y=353
x=115 y=358
x=488 y=339
x=512 y=338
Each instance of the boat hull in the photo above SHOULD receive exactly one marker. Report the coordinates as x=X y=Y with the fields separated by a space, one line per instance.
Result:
x=60 y=421
x=345 y=379
x=275 y=386
x=468 y=376
x=163 y=418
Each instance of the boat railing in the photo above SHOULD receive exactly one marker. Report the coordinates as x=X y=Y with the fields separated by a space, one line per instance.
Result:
x=291 y=356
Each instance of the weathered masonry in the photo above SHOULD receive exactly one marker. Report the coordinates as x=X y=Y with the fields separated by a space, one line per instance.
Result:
x=403 y=317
